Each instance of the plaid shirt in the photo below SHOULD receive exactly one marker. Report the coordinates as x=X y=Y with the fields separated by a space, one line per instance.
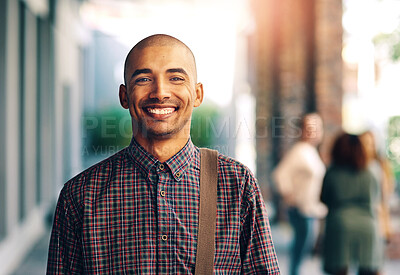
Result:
x=131 y=214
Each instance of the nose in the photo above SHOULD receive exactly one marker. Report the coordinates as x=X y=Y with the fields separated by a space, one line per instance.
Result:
x=160 y=90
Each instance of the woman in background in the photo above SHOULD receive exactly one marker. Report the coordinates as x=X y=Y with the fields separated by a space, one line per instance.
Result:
x=298 y=177
x=351 y=193
x=380 y=168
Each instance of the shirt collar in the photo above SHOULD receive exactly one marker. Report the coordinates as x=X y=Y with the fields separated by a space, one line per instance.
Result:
x=181 y=160
x=144 y=160
x=177 y=163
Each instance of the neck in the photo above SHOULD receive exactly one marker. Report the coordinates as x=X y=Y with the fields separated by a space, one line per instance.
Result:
x=162 y=149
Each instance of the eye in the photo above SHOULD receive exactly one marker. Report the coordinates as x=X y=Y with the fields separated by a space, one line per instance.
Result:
x=177 y=78
x=142 y=79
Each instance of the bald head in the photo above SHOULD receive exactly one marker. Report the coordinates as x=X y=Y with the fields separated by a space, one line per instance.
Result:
x=156 y=40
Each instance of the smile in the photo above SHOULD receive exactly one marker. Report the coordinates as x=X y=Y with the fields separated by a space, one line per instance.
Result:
x=160 y=111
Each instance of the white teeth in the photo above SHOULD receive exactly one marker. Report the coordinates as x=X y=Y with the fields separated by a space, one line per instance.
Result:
x=158 y=111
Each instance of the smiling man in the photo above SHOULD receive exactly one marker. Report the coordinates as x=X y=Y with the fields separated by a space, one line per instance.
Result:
x=138 y=212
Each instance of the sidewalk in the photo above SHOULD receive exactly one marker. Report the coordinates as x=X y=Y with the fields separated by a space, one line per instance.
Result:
x=35 y=262
x=312 y=265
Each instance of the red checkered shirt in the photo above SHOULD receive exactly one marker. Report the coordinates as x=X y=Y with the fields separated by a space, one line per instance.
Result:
x=131 y=214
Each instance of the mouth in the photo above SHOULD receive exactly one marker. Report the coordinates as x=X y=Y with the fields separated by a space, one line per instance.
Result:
x=160 y=112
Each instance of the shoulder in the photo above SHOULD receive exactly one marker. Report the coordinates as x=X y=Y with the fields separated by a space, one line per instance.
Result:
x=238 y=185
x=94 y=176
x=300 y=150
x=376 y=169
x=229 y=165
x=305 y=150
x=102 y=168
x=369 y=174
x=236 y=178
x=337 y=170
x=335 y=173
x=301 y=146
x=331 y=169
x=347 y=172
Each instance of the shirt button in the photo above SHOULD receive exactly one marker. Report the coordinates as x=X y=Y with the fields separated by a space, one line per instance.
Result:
x=162 y=193
x=161 y=167
x=164 y=237
x=178 y=174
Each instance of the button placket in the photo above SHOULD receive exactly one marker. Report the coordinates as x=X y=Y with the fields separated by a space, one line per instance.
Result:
x=162 y=182
x=163 y=212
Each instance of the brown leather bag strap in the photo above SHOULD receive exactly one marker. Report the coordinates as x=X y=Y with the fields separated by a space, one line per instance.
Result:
x=207 y=212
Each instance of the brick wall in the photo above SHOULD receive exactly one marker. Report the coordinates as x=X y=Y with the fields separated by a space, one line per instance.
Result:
x=328 y=84
x=296 y=58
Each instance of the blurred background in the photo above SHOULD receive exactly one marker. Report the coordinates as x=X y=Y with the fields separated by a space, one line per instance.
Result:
x=263 y=64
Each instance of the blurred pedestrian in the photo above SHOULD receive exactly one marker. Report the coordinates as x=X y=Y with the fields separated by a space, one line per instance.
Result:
x=351 y=192
x=298 y=177
x=380 y=168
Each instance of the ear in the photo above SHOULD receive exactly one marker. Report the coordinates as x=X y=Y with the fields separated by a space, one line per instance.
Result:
x=199 y=95
x=123 y=96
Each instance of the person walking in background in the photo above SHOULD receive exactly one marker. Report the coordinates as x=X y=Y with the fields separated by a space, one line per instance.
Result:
x=351 y=192
x=299 y=178
x=380 y=168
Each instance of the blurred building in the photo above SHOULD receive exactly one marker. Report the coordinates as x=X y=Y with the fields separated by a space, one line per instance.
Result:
x=41 y=76
x=296 y=68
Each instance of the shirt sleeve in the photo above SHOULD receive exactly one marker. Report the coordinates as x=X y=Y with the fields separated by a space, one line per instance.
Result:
x=282 y=178
x=257 y=248
x=284 y=175
x=65 y=252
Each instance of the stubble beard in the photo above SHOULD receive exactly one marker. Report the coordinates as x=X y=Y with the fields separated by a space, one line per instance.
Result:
x=151 y=132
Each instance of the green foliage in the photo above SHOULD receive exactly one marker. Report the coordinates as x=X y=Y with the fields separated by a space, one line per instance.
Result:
x=393 y=147
x=396 y=51
x=204 y=123
x=106 y=130
x=392 y=40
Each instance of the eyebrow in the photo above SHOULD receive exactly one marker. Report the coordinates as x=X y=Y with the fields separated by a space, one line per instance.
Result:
x=177 y=70
x=148 y=71
x=141 y=71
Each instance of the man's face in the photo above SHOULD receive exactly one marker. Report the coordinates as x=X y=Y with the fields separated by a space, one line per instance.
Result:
x=161 y=92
